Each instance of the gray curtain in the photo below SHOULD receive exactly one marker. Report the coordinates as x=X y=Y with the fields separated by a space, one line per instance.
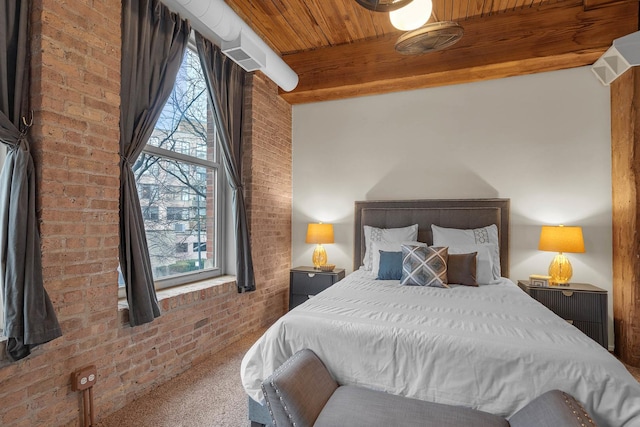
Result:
x=29 y=318
x=225 y=84
x=153 y=44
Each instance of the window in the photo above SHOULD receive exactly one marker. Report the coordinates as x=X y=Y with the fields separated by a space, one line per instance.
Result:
x=177 y=213
x=147 y=191
x=151 y=213
x=179 y=181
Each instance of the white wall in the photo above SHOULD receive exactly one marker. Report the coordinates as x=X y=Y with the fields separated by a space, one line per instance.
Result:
x=541 y=140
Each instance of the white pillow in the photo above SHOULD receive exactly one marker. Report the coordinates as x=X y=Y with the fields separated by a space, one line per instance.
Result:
x=387 y=235
x=484 y=260
x=376 y=247
x=452 y=236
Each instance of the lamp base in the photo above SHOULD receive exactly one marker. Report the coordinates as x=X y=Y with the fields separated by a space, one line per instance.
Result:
x=560 y=270
x=319 y=257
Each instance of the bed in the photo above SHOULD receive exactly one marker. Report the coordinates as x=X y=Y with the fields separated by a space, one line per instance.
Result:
x=489 y=347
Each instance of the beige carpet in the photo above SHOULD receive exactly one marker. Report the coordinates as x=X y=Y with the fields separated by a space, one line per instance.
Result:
x=209 y=394
x=634 y=371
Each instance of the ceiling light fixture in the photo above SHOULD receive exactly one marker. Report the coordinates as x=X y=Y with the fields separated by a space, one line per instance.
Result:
x=412 y=16
x=429 y=38
x=383 y=5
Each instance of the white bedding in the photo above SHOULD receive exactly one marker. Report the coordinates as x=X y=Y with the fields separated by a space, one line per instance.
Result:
x=492 y=348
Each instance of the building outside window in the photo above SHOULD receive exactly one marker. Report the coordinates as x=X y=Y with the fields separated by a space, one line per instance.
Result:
x=179 y=183
x=151 y=213
x=177 y=213
x=147 y=191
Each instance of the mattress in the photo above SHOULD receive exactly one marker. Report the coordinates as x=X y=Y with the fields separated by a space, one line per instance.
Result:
x=491 y=348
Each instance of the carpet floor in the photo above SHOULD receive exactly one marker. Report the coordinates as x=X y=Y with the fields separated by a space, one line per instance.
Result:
x=209 y=394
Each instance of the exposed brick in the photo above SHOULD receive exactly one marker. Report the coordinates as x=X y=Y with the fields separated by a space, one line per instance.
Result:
x=75 y=88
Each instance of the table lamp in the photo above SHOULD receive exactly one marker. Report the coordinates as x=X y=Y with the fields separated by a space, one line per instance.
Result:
x=561 y=239
x=319 y=233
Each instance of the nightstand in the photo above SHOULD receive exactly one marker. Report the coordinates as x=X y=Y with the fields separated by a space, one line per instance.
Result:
x=581 y=304
x=306 y=282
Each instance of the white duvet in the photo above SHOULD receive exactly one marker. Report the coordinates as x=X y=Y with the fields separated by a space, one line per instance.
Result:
x=491 y=348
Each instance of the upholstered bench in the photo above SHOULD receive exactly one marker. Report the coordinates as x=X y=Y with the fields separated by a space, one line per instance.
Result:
x=302 y=393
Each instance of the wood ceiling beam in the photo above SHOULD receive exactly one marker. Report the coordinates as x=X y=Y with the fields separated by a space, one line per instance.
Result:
x=593 y=4
x=502 y=45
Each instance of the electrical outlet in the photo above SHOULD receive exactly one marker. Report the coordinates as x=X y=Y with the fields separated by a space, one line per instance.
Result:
x=84 y=378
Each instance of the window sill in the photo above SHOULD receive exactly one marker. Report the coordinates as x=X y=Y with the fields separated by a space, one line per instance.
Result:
x=178 y=296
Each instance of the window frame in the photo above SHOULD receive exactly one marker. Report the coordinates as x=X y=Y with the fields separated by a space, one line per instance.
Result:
x=3 y=157
x=219 y=211
x=186 y=278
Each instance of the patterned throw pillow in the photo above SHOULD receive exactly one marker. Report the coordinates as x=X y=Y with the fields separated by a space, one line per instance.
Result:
x=424 y=266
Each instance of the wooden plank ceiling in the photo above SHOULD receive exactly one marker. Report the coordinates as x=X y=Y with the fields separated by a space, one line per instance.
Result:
x=340 y=49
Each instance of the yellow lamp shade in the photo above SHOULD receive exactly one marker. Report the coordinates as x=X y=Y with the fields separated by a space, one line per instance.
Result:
x=319 y=234
x=561 y=239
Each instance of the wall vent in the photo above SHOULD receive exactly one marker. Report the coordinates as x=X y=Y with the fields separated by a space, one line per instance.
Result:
x=245 y=53
x=622 y=55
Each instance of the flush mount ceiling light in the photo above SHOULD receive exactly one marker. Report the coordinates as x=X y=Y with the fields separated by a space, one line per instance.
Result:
x=383 y=5
x=431 y=37
x=412 y=16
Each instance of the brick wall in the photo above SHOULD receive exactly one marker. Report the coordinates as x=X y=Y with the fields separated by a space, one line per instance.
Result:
x=75 y=95
x=267 y=179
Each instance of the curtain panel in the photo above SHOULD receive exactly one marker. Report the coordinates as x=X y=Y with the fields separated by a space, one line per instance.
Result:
x=225 y=84
x=29 y=317
x=153 y=44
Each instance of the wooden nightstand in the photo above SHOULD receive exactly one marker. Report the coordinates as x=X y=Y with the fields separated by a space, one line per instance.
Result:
x=306 y=282
x=581 y=304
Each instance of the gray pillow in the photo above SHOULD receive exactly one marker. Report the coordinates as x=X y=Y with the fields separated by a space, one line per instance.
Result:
x=461 y=269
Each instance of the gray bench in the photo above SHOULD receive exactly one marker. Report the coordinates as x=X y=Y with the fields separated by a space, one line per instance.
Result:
x=302 y=393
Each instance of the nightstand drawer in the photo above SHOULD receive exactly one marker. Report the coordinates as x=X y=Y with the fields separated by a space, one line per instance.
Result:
x=296 y=300
x=306 y=282
x=571 y=305
x=311 y=283
x=594 y=330
x=581 y=304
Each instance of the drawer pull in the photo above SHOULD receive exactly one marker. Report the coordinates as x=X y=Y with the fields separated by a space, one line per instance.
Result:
x=311 y=274
x=567 y=293
x=570 y=322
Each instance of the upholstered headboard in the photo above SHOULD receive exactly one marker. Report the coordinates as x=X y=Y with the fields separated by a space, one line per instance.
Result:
x=460 y=213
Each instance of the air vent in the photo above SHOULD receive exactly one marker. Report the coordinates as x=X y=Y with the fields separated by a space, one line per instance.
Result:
x=429 y=38
x=245 y=53
x=622 y=55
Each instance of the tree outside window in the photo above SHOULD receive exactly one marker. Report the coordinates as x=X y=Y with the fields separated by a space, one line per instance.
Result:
x=179 y=184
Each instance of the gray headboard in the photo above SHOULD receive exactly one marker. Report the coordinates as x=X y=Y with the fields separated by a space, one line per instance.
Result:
x=453 y=213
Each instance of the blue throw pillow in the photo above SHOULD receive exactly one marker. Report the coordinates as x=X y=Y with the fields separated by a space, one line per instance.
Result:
x=390 y=266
